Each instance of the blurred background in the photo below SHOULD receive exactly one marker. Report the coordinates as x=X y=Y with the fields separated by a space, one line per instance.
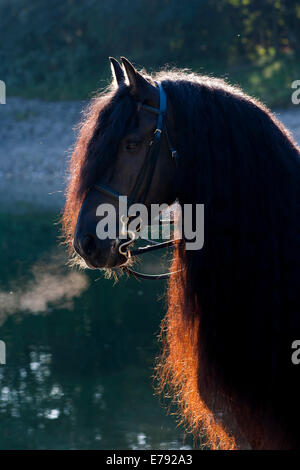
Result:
x=59 y=49
x=81 y=350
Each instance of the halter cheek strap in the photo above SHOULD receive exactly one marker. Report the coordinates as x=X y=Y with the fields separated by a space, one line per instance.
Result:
x=145 y=176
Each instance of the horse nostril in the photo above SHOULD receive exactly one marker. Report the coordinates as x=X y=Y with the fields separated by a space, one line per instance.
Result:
x=88 y=245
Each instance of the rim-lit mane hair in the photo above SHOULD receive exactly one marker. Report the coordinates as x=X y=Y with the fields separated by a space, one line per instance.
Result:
x=233 y=311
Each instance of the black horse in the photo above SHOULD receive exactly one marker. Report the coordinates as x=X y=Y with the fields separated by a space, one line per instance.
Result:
x=234 y=305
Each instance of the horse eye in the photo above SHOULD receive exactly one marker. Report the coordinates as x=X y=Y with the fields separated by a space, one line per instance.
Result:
x=132 y=145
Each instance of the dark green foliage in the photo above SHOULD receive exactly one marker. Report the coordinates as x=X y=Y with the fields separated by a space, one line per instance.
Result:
x=59 y=49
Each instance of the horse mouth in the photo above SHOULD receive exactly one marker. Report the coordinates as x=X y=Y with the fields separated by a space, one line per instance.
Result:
x=117 y=259
x=114 y=261
x=117 y=256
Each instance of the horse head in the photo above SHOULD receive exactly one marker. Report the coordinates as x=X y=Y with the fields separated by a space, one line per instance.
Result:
x=132 y=138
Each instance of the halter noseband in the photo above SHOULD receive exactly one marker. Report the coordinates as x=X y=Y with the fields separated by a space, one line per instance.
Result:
x=145 y=175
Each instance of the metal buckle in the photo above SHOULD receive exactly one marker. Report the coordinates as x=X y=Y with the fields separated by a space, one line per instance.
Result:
x=123 y=248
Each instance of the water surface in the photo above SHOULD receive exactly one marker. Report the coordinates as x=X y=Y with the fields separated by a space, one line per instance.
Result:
x=80 y=351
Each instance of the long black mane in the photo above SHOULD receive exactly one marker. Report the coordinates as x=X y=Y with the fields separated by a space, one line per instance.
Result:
x=243 y=286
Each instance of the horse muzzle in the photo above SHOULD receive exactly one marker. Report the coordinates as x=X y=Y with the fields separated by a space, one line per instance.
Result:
x=99 y=254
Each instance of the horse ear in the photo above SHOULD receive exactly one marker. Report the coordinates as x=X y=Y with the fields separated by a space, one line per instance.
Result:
x=117 y=71
x=139 y=85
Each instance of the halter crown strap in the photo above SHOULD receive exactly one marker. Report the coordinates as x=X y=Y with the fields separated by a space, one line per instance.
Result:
x=162 y=107
x=149 y=165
